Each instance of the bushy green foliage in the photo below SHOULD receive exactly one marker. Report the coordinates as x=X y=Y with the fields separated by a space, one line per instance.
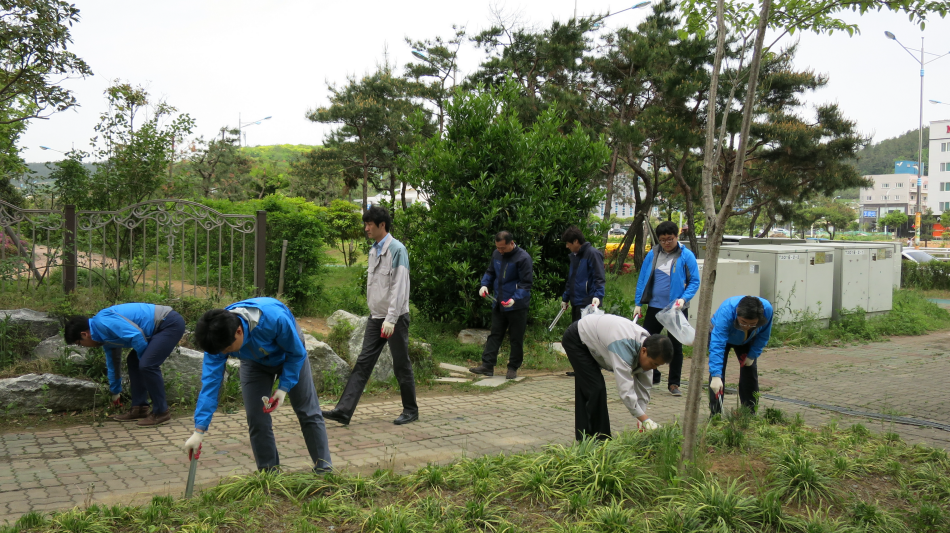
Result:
x=489 y=173
x=934 y=275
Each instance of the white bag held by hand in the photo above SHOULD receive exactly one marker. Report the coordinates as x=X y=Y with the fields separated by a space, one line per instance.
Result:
x=675 y=322
x=591 y=310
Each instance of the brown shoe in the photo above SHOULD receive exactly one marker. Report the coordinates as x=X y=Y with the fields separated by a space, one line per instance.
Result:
x=154 y=419
x=675 y=390
x=137 y=412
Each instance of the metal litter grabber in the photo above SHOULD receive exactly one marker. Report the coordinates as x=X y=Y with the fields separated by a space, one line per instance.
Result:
x=558 y=317
x=193 y=457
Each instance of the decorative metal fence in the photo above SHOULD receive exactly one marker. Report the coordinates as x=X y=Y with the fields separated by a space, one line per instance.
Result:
x=171 y=246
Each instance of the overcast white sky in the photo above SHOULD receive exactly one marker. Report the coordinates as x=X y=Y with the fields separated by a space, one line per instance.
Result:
x=215 y=59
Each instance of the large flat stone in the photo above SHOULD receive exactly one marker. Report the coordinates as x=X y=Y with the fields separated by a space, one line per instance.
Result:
x=557 y=347
x=340 y=316
x=56 y=347
x=42 y=393
x=40 y=324
x=474 y=336
x=495 y=381
x=452 y=380
x=453 y=368
x=325 y=364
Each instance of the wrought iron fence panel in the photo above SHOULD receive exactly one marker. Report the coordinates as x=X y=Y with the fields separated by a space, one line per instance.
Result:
x=31 y=246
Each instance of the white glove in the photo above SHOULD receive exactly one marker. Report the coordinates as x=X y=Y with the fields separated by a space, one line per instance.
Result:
x=679 y=303
x=595 y=302
x=117 y=400
x=748 y=361
x=636 y=311
x=387 y=330
x=483 y=292
x=564 y=306
x=509 y=303
x=193 y=442
x=647 y=425
x=715 y=385
x=271 y=404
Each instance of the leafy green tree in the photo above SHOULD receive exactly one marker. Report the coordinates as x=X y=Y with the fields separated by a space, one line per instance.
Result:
x=321 y=175
x=71 y=179
x=345 y=225
x=945 y=221
x=218 y=167
x=893 y=220
x=490 y=172
x=836 y=216
x=440 y=65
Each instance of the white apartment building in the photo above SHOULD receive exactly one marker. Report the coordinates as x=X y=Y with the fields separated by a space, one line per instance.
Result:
x=891 y=192
x=940 y=165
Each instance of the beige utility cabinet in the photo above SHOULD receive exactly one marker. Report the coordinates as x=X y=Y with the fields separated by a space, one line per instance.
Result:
x=733 y=278
x=865 y=277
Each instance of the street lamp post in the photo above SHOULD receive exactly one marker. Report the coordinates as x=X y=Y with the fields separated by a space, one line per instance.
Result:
x=251 y=123
x=920 y=132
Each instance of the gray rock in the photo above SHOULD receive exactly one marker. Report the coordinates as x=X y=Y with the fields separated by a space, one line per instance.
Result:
x=42 y=393
x=55 y=347
x=384 y=366
x=182 y=373
x=39 y=324
x=342 y=316
x=324 y=363
x=557 y=347
x=474 y=336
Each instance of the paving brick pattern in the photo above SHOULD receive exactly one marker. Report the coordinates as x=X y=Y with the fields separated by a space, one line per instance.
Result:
x=121 y=463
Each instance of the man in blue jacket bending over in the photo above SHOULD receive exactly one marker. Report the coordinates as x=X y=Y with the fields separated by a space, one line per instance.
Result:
x=263 y=334
x=743 y=324
x=510 y=273
x=585 y=279
x=669 y=276
x=152 y=331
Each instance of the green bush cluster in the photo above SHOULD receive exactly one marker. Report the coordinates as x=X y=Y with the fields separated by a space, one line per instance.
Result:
x=934 y=275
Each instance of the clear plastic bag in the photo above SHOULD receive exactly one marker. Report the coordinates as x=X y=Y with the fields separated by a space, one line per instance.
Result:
x=676 y=324
x=591 y=310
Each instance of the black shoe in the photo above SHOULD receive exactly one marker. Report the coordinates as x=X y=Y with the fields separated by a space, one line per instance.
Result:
x=570 y=374
x=483 y=369
x=512 y=373
x=337 y=416
x=405 y=418
x=656 y=377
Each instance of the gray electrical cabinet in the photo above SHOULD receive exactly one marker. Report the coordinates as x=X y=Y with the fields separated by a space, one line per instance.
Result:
x=770 y=240
x=797 y=280
x=896 y=249
x=865 y=277
x=733 y=278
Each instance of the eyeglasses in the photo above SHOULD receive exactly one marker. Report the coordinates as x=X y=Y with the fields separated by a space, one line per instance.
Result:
x=667 y=240
x=745 y=325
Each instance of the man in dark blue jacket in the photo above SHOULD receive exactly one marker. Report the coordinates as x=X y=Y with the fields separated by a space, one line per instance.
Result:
x=743 y=324
x=263 y=334
x=152 y=332
x=510 y=274
x=585 y=279
x=669 y=276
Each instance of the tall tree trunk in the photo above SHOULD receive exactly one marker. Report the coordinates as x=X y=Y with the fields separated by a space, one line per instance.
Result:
x=403 y=196
x=611 y=175
x=392 y=187
x=365 y=181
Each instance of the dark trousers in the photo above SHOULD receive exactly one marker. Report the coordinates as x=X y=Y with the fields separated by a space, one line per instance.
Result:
x=373 y=345
x=514 y=323
x=257 y=381
x=576 y=312
x=145 y=371
x=748 y=380
x=651 y=324
x=591 y=417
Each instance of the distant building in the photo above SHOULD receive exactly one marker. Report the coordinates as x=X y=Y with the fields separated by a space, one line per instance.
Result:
x=891 y=192
x=940 y=165
x=412 y=197
x=623 y=204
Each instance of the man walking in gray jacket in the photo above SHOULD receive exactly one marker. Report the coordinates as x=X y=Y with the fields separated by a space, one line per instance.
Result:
x=387 y=295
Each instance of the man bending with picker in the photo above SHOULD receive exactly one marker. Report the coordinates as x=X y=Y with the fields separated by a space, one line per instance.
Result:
x=743 y=324
x=622 y=347
x=263 y=334
x=152 y=331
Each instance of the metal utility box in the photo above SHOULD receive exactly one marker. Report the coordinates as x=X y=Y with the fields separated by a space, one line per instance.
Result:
x=795 y=279
x=896 y=248
x=700 y=252
x=771 y=240
x=865 y=277
x=733 y=278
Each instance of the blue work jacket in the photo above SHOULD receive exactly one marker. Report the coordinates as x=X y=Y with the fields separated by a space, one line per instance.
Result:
x=510 y=275
x=585 y=279
x=125 y=326
x=684 y=278
x=724 y=331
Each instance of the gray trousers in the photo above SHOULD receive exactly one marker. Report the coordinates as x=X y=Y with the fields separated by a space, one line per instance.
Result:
x=257 y=380
x=373 y=345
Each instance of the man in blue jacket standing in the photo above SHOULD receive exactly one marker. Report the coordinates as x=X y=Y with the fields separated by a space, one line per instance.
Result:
x=263 y=334
x=510 y=274
x=152 y=332
x=669 y=276
x=743 y=324
x=585 y=279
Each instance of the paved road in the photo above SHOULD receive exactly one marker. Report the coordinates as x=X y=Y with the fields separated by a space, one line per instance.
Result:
x=118 y=463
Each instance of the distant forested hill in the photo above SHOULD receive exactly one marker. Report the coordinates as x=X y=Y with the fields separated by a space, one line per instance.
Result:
x=879 y=158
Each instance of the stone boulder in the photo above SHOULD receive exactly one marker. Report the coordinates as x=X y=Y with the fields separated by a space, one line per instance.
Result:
x=56 y=347
x=182 y=373
x=324 y=362
x=342 y=316
x=42 y=393
x=558 y=348
x=384 y=366
x=41 y=325
x=474 y=336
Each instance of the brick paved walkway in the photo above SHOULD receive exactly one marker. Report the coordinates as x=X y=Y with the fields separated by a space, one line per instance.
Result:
x=120 y=463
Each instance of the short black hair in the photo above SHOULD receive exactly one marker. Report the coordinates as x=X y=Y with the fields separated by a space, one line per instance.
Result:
x=667 y=228
x=504 y=236
x=659 y=348
x=74 y=326
x=216 y=330
x=573 y=234
x=751 y=308
x=379 y=215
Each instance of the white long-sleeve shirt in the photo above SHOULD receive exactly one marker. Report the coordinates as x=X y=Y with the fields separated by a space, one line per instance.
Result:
x=615 y=343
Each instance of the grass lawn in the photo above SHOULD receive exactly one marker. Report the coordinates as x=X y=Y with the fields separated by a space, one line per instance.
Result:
x=767 y=474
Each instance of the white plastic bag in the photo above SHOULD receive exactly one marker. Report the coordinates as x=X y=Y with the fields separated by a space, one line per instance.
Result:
x=675 y=322
x=591 y=310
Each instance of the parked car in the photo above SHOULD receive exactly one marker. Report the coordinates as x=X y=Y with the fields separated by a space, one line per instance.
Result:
x=917 y=256
x=616 y=231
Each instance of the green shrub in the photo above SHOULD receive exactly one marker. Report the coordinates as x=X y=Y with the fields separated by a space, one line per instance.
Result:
x=934 y=275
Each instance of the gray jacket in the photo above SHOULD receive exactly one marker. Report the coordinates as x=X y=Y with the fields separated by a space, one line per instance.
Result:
x=387 y=283
x=615 y=343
